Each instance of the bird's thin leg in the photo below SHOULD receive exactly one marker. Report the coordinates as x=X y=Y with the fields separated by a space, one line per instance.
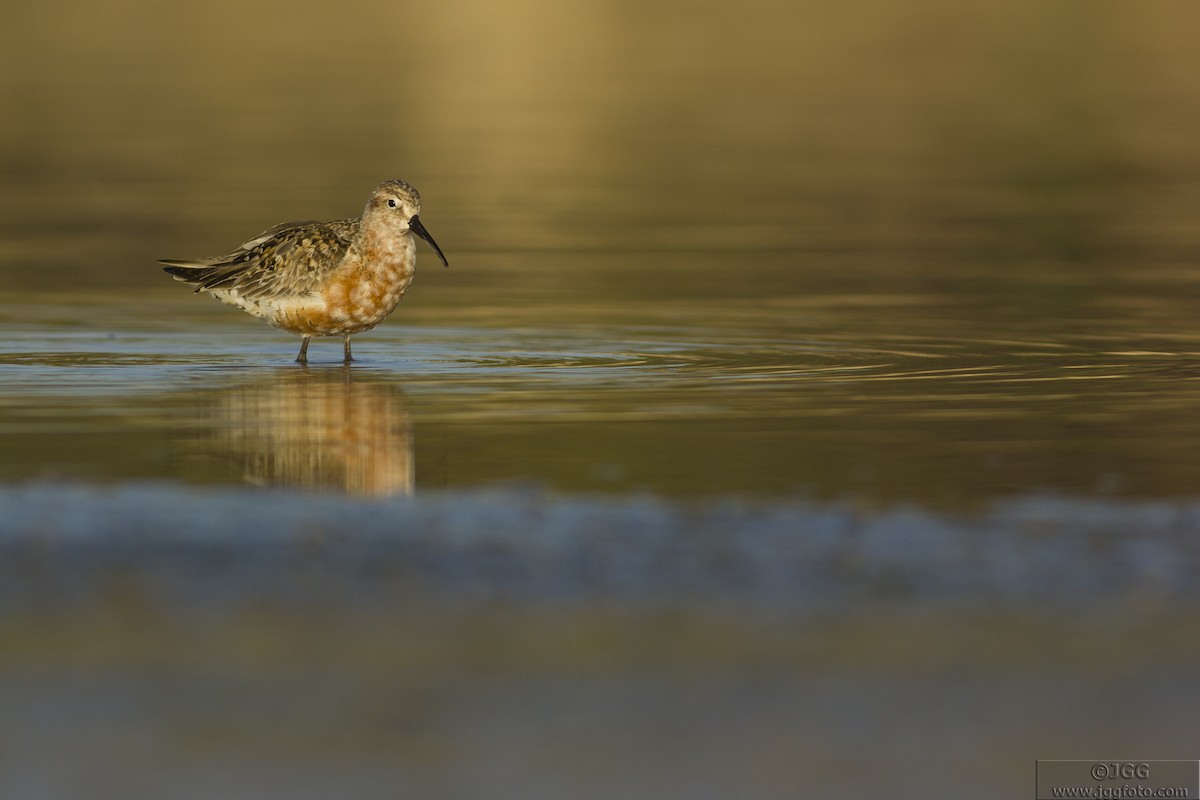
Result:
x=303 y=357
x=349 y=357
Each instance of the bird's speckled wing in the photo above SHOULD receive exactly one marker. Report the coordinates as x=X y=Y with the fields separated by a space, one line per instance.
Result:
x=290 y=259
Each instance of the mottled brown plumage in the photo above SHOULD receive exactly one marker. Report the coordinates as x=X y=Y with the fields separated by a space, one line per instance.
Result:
x=321 y=278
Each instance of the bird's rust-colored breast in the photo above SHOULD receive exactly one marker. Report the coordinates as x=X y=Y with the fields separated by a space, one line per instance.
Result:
x=364 y=290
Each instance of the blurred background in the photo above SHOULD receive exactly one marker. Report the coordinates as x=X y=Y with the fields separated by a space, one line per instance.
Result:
x=812 y=389
x=1005 y=130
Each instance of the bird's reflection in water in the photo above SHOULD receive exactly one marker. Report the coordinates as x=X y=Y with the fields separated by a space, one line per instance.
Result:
x=326 y=429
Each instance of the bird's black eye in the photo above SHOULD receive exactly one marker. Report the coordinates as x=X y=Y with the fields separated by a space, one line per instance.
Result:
x=391 y=203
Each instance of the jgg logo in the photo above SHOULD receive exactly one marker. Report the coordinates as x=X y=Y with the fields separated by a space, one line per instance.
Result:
x=1115 y=771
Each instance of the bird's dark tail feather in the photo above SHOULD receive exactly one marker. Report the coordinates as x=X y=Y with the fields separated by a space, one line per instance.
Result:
x=188 y=273
x=203 y=276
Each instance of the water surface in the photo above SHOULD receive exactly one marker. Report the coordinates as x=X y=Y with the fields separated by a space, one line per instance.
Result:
x=948 y=396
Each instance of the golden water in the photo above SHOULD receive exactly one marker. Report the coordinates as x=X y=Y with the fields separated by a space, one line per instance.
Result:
x=904 y=253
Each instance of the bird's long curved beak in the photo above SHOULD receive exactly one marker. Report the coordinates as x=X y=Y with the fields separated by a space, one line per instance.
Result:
x=416 y=227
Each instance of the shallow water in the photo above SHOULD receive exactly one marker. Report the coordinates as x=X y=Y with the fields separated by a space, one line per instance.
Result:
x=945 y=398
x=812 y=392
